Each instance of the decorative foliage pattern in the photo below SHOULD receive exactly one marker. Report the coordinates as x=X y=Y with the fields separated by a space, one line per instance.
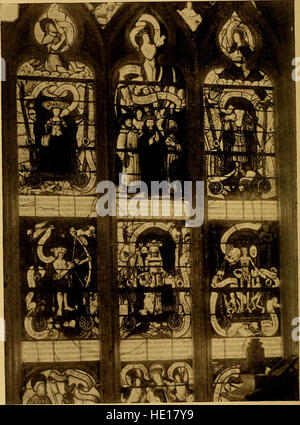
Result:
x=61 y=386
x=157 y=382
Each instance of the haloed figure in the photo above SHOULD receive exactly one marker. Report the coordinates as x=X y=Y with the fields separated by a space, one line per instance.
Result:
x=55 y=39
x=240 y=53
x=240 y=49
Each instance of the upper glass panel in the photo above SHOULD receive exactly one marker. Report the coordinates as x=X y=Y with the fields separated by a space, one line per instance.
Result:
x=55 y=114
x=150 y=105
x=239 y=121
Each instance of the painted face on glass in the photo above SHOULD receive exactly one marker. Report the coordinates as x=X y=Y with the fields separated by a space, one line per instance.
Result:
x=148 y=49
x=237 y=37
x=150 y=124
x=233 y=255
x=128 y=123
x=51 y=29
x=41 y=389
x=139 y=114
x=172 y=125
x=253 y=251
x=32 y=115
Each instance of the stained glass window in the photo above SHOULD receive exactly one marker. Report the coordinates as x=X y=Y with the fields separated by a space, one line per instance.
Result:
x=150 y=107
x=61 y=385
x=55 y=115
x=239 y=122
x=244 y=300
x=59 y=280
x=57 y=178
x=141 y=308
x=155 y=308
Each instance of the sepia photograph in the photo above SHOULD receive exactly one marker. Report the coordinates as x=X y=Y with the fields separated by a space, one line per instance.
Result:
x=150 y=228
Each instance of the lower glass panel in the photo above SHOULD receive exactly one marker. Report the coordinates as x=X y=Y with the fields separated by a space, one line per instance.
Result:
x=157 y=382
x=76 y=384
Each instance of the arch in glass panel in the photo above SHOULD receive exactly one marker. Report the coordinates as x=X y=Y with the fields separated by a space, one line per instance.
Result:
x=239 y=121
x=55 y=113
x=155 y=311
x=245 y=303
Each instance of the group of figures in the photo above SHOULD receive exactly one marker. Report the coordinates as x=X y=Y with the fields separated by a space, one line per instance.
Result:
x=148 y=146
x=245 y=293
x=154 y=279
x=55 y=114
x=59 y=282
x=157 y=383
x=60 y=386
x=149 y=102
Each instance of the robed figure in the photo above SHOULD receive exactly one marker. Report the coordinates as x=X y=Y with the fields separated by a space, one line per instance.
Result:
x=151 y=150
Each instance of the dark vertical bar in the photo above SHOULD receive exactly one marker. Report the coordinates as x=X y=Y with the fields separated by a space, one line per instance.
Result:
x=285 y=108
x=200 y=289
x=107 y=252
x=12 y=301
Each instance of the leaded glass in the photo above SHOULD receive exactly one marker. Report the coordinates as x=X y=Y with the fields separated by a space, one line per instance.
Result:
x=239 y=122
x=59 y=279
x=150 y=107
x=61 y=385
x=155 y=306
x=245 y=299
x=55 y=114
x=244 y=302
x=160 y=382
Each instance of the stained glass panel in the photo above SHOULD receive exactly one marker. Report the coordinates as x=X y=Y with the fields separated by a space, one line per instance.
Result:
x=55 y=114
x=58 y=263
x=239 y=122
x=244 y=302
x=245 y=299
x=61 y=385
x=160 y=382
x=155 y=305
x=150 y=107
